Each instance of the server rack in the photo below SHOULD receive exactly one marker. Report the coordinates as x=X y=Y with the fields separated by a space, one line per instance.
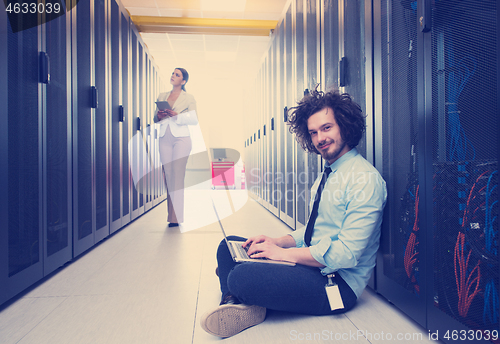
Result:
x=462 y=104
x=66 y=105
x=29 y=219
x=439 y=103
x=269 y=130
x=90 y=125
x=56 y=143
x=300 y=168
x=263 y=148
x=290 y=144
x=279 y=122
x=312 y=78
x=399 y=279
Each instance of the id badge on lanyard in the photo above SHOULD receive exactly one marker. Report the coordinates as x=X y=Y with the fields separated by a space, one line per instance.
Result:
x=333 y=293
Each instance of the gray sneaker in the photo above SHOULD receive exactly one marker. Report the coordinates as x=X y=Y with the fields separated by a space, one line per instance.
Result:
x=230 y=319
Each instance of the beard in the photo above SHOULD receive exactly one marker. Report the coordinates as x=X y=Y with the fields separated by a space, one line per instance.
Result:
x=332 y=153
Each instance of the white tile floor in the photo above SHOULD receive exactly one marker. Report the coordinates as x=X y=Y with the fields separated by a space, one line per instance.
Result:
x=150 y=284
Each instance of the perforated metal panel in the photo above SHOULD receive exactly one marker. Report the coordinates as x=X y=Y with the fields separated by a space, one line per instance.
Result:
x=401 y=259
x=23 y=152
x=135 y=105
x=101 y=128
x=354 y=52
x=301 y=172
x=126 y=113
x=465 y=156
x=116 y=156
x=399 y=138
x=84 y=219
x=56 y=121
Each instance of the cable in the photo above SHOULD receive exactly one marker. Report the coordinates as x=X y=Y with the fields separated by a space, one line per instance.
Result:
x=488 y=221
x=491 y=302
x=458 y=76
x=410 y=257
x=463 y=285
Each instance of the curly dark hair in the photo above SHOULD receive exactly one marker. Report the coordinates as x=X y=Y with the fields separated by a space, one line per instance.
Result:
x=348 y=115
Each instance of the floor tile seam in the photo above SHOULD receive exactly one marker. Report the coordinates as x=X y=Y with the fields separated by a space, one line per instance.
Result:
x=346 y=315
x=198 y=293
x=43 y=297
x=43 y=319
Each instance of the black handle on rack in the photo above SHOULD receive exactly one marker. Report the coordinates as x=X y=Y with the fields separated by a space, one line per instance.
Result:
x=121 y=113
x=343 y=72
x=94 y=102
x=44 y=67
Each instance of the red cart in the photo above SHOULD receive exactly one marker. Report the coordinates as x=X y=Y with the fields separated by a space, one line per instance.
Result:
x=223 y=174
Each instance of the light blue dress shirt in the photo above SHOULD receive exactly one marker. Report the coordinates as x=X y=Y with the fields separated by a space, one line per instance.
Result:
x=347 y=230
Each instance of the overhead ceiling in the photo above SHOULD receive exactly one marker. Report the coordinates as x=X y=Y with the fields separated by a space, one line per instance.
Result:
x=183 y=33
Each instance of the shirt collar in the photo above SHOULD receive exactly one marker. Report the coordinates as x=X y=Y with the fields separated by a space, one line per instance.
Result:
x=352 y=153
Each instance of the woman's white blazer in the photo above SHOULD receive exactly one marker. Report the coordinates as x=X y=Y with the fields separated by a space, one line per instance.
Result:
x=185 y=106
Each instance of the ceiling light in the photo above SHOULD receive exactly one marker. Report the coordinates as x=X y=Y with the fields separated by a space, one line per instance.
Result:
x=223 y=5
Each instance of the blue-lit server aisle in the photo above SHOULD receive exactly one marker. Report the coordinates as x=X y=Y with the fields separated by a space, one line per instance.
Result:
x=74 y=91
x=427 y=75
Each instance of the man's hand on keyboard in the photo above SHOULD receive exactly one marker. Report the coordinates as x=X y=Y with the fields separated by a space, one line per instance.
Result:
x=266 y=249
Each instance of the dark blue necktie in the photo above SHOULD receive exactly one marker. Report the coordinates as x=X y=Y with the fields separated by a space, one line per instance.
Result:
x=314 y=213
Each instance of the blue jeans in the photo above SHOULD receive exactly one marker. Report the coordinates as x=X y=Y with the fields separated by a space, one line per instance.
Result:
x=297 y=289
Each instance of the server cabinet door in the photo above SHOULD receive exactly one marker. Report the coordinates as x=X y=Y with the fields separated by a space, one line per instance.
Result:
x=20 y=147
x=329 y=44
x=101 y=151
x=259 y=143
x=312 y=79
x=266 y=149
x=290 y=146
x=57 y=143
x=271 y=128
x=116 y=119
x=127 y=124
x=300 y=170
x=135 y=153
x=400 y=265
x=148 y=128
x=141 y=60
x=354 y=56
x=89 y=126
x=281 y=123
x=464 y=272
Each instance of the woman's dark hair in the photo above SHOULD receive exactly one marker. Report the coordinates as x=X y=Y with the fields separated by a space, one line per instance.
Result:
x=185 y=76
x=348 y=115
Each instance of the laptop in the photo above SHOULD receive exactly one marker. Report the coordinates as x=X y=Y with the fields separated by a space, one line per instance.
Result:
x=239 y=253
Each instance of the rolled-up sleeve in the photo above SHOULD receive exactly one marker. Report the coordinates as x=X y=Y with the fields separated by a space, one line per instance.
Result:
x=298 y=236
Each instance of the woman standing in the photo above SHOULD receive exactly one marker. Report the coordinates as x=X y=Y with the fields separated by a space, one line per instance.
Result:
x=175 y=141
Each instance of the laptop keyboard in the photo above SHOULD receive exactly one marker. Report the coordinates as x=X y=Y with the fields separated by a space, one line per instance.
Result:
x=243 y=252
